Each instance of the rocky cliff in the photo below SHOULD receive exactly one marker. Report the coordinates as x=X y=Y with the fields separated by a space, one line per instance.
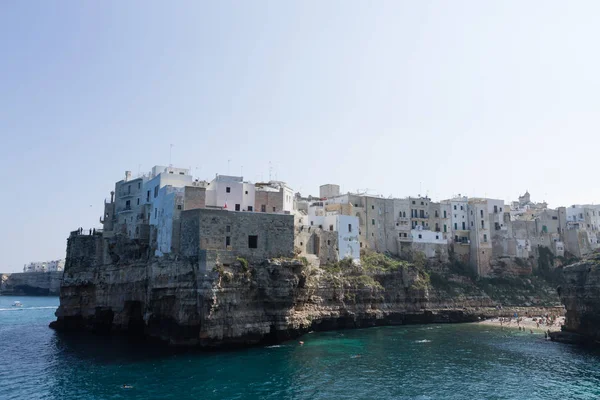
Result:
x=113 y=286
x=31 y=283
x=580 y=293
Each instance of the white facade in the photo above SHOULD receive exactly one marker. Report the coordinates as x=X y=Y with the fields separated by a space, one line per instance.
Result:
x=232 y=192
x=346 y=227
x=45 y=266
x=427 y=236
x=167 y=206
x=459 y=219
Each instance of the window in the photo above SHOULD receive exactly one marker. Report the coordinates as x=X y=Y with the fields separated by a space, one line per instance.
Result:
x=311 y=222
x=155 y=212
x=404 y=214
x=373 y=221
x=128 y=204
x=456 y=238
x=422 y=203
x=181 y=173
x=349 y=228
x=500 y=209
x=228 y=228
x=463 y=226
x=237 y=207
x=455 y=226
x=445 y=228
x=455 y=206
x=497 y=226
x=227 y=240
x=360 y=244
x=471 y=223
x=554 y=218
x=128 y=189
x=330 y=227
x=179 y=206
x=436 y=214
x=482 y=225
x=250 y=208
x=444 y=214
x=372 y=207
x=485 y=238
x=252 y=241
x=274 y=209
x=495 y=209
x=481 y=211
x=263 y=208
x=399 y=234
x=138 y=201
x=329 y=243
x=413 y=202
x=155 y=191
x=420 y=236
x=147 y=196
x=437 y=236
x=246 y=192
x=301 y=244
x=227 y=189
x=462 y=208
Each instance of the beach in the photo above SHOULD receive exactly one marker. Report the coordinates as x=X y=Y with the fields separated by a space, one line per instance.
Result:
x=535 y=323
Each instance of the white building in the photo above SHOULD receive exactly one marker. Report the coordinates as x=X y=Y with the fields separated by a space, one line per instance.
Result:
x=45 y=266
x=230 y=192
x=167 y=208
x=348 y=241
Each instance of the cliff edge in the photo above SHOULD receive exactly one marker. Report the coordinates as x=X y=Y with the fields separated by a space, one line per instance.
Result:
x=31 y=283
x=114 y=286
x=580 y=294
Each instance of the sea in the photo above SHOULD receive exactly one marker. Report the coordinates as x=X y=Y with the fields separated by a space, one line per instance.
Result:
x=462 y=361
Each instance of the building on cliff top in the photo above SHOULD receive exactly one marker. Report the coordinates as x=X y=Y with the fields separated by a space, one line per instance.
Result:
x=220 y=236
x=152 y=209
x=45 y=266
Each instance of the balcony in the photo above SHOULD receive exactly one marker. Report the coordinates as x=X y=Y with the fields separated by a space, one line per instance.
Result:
x=127 y=209
x=124 y=194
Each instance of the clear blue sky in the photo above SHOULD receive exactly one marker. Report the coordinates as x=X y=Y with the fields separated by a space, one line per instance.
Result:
x=478 y=98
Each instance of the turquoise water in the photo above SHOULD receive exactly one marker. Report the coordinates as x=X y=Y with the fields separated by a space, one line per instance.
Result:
x=414 y=362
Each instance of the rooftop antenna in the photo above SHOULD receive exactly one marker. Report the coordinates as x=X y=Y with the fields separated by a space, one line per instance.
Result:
x=228 y=162
x=270 y=170
x=170 y=154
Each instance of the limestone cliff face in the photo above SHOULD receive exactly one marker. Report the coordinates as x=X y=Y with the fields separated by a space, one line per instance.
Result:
x=112 y=286
x=31 y=283
x=580 y=294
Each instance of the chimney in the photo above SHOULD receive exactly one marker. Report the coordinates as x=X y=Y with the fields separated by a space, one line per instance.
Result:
x=112 y=196
x=127 y=176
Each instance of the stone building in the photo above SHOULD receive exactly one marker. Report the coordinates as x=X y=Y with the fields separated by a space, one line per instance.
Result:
x=221 y=236
x=273 y=196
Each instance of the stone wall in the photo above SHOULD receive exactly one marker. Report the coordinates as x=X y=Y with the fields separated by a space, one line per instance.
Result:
x=204 y=229
x=194 y=197
x=272 y=201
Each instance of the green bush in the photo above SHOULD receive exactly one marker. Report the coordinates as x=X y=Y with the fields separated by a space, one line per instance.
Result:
x=243 y=262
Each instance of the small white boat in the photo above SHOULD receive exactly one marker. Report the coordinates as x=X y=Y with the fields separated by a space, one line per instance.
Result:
x=17 y=304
